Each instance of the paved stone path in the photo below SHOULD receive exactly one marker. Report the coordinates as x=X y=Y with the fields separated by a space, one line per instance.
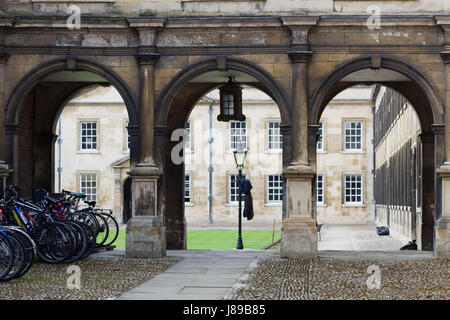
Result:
x=200 y=275
x=356 y=237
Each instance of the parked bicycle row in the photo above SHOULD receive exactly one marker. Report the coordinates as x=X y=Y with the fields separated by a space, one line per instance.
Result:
x=60 y=228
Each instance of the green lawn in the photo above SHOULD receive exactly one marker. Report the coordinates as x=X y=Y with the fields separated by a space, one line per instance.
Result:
x=220 y=239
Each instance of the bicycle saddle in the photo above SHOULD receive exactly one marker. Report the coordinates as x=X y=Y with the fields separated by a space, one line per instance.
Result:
x=90 y=203
x=52 y=200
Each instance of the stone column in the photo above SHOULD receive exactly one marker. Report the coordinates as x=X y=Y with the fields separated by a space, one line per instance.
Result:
x=145 y=233
x=299 y=140
x=4 y=170
x=299 y=231
x=428 y=192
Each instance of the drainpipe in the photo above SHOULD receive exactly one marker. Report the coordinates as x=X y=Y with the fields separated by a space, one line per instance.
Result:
x=210 y=167
x=59 y=141
x=374 y=202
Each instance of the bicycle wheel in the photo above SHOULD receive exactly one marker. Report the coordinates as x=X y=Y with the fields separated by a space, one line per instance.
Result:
x=29 y=248
x=88 y=219
x=6 y=255
x=19 y=257
x=113 y=228
x=91 y=240
x=81 y=241
x=103 y=230
x=55 y=243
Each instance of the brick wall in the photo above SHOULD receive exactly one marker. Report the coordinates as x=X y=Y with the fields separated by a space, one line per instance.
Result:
x=25 y=170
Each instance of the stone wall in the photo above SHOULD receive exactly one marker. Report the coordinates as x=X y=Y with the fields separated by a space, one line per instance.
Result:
x=225 y=7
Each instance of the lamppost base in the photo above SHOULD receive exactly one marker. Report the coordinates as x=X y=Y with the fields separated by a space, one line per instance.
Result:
x=240 y=245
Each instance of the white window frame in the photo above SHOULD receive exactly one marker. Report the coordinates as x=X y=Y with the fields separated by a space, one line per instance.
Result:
x=188 y=145
x=240 y=137
x=320 y=179
x=351 y=135
x=321 y=139
x=278 y=188
x=236 y=187
x=274 y=136
x=189 y=188
x=126 y=140
x=89 y=195
x=80 y=128
x=361 y=193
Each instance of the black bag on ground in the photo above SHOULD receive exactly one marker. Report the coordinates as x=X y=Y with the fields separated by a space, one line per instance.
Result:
x=412 y=245
x=383 y=231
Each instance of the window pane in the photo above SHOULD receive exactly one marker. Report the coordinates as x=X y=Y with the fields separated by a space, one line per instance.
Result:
x=275 y=188
x=88 y=185
x=187 y=188
x=353 y=189
x=275 y=139
x=88 y=131
x=238 y=135
x=320 y=139
x=319 y=189
x=353 y=135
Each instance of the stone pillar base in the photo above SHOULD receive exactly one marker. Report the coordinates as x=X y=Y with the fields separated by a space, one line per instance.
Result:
x=4 y=173
x=145 y=237
x=299 y=238
x=443 y=237
x=442 y=228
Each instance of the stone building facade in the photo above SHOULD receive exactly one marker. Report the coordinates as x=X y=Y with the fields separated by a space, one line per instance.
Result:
x=301 y=54
x=91 y=152
x=344 y=179
x=399 y=178
x=261 y=137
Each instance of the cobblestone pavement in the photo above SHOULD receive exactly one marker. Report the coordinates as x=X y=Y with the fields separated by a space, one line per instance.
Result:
x=344 y=278
x=101 y=278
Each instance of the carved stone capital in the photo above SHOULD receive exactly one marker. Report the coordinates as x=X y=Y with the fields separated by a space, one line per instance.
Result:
x=4 y=58
x=147 y=29
x=313 y=129
x=12 y=129
x=426 y=137
x=438 y=129
x=161 y=131
x=147 y=58
x=299 y=27
x=285 y=129
x=445 y=55
x=300 y=56
x=133 y=130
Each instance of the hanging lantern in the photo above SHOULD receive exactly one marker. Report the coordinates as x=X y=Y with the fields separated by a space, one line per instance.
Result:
x=231 y=102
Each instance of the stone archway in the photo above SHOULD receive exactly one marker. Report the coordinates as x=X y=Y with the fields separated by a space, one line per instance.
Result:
x=35 y=104
x=423 y=96
x=430 y=109
x=173 y=106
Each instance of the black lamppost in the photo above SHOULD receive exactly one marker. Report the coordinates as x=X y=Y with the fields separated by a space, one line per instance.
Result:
x=239 y=157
